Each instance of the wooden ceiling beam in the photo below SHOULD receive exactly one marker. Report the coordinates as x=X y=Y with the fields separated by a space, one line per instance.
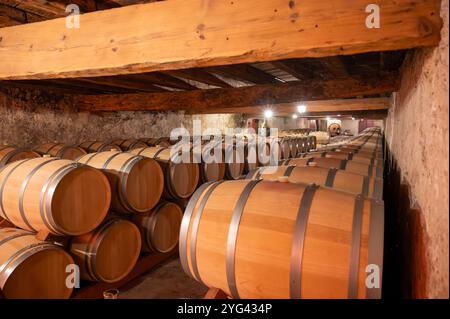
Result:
x=163 y=79
x=123 y=82
x=10 y=16
x=199 y=75
x=79 y=84
x=201 y=33
x=244 y=72
x=43 y=8
x=341 y=115
x=52 y=86
x=334 y=66
x=202 y=101
x=331 y=107
x=297 y=68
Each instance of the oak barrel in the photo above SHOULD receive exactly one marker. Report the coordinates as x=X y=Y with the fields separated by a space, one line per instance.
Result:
x=9 y=154
x=342 y=164
x=211 y=169
x=180 y=179
x=30 y=268
x=160 y=228
x=136 y=182
x=329 y=177
x=234 y=162
x=251 y=160
x=60 y=150
x=159 y=141
x=109 y=253
x=285 y=148
x=53 y=194
x=313 y=141
x=96 y=146
x=260 y=239
x=129 y=144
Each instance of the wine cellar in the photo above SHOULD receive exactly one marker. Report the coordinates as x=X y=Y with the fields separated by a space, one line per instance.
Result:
x=207 y=149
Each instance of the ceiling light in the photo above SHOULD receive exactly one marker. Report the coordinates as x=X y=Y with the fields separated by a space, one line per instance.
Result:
x=294 y=116
x=301 y=108
x=268 y=114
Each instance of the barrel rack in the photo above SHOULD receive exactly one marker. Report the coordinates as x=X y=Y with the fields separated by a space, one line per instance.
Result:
x=215 y=293
x=94 y=290
x=145 y=263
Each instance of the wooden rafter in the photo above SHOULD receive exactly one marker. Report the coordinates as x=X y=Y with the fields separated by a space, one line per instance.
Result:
x=204 y=100
x=171 y=35
x=244 y=72
x=122 y=82
x=199 y=76
x=338 y=106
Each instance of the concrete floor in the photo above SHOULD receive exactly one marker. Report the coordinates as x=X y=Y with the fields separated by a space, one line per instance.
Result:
x=166 y=281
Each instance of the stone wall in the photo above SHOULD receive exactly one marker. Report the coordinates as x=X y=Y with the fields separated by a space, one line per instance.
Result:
x=418 y=138
x=28 y=118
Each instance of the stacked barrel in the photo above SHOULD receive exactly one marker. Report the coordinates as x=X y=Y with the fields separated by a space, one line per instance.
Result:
x=101 y=204
x=91 y=205
x=292 y=231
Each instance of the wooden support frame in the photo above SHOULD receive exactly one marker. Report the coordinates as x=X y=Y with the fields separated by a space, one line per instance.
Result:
x=145 y=263
x=170 y=35
x=215 y=293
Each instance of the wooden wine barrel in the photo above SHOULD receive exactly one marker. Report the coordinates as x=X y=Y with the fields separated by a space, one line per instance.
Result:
x=160 y=228
x=285 y=149
x=136 y=182
x=250 y=157
x=313 y=141
x=274 y=151
x=211 y=170
x=61 y=151
x=282 y=240
x=130 y=144
x=32 y=269
x=53 y=194
x=342 y=164
x=159 y=141
x=304 y=145
x=109 y=253
x=348 y=155
x=180 y=179
x=95 y=147
x=9 y=154
x=234 y=162
x=294 y=145
x=329 y=177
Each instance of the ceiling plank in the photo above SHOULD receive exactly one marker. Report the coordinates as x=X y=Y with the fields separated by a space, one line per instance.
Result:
x=123 y=82
x=204 y=100
x=162 y=79
x=51 y=86
x=200 y=33
x=244 y=72
x=334 y=66
x=10 y=16
x=297 y=68
x=78 y=84
x=43 y=8
x=199 y=76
